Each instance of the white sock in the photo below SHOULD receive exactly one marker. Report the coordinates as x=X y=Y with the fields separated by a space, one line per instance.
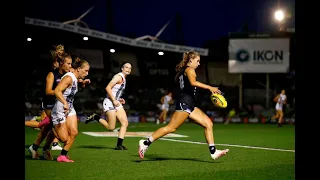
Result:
x=150 y=138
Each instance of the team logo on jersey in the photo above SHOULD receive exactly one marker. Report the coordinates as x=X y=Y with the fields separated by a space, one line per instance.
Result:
x=60 y=119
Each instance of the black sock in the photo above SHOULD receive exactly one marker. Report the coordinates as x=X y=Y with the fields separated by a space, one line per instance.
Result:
x=147 y=142
x=96 y=117
x=35 y=147
x=63 y=152
x=55 y=144
x=212 y=149
x=119 y=143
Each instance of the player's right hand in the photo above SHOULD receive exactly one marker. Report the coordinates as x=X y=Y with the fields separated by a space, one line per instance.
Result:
x=116 y=103
x=66 y=108
x=215 y=90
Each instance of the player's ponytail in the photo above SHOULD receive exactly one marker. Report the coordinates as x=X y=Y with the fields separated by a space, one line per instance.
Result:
x=185 y=59
x=183 y=62
x=77 y=59
x=57 y=53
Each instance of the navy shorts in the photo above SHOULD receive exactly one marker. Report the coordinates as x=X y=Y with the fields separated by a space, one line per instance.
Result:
x=45 y=106
x=181 y=106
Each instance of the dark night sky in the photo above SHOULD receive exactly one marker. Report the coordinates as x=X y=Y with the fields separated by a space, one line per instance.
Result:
x=201 y=20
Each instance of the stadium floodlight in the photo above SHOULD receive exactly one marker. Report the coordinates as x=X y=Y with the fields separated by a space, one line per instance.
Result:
x=279 y=15
x=85 y=38
x=160 y=53
x=29 y=39
x=112 y=50
x=156 y=37
x=78 y=21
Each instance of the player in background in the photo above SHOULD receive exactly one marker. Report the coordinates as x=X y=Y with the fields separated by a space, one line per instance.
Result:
x=34 y=121
x=36 y=124
x=280 y=100
x=39 y=124
x=112 y=105
x=185 y=106
x=52 y=80
x=166 y=100
x=63 y=114
x=57 y=56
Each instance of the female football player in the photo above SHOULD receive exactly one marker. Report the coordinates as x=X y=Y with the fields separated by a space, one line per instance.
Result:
x=112 y=105
x=185 y=106
x=280 y=100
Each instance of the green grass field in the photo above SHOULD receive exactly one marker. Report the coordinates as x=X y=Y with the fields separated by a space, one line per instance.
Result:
x=256 y=152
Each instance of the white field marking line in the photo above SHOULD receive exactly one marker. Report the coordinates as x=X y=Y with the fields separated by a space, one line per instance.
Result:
x=231 y=145
x=117 y=129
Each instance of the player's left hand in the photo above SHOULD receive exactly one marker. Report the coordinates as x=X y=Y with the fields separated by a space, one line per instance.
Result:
x=122 y=101
x=86 y=81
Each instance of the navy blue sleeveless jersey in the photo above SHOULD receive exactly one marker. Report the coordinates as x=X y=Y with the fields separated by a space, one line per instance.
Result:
x=187 y=96
x=49 y=100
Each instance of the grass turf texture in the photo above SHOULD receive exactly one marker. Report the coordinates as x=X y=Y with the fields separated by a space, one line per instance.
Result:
x=95 y=157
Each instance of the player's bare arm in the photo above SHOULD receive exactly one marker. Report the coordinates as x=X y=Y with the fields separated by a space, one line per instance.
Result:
x=116 y=79
x=162 y=99
x=191 y=74
x=49 y=84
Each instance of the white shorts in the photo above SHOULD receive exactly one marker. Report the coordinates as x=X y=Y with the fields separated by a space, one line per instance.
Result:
x=164 y=107
x=278 y=107
x=57 y=114
x=108 y=105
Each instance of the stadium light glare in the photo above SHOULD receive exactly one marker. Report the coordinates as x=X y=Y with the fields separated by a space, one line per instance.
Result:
x=279 y=15
x=160 y=53
x=112 y=50
x=85 y=38
x=29 y=39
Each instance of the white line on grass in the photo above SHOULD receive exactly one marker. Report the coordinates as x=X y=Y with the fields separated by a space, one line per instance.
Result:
x=117 y=129
x=231 y=145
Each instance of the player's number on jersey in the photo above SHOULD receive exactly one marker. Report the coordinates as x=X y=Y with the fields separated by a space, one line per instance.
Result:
x=181 y=82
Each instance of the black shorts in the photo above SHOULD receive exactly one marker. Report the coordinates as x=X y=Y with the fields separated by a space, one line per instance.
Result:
x=46 y=106
x=181 y=106
x=185 y=103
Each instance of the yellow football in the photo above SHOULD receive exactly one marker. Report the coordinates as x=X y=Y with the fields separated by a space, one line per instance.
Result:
x=218 y=100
